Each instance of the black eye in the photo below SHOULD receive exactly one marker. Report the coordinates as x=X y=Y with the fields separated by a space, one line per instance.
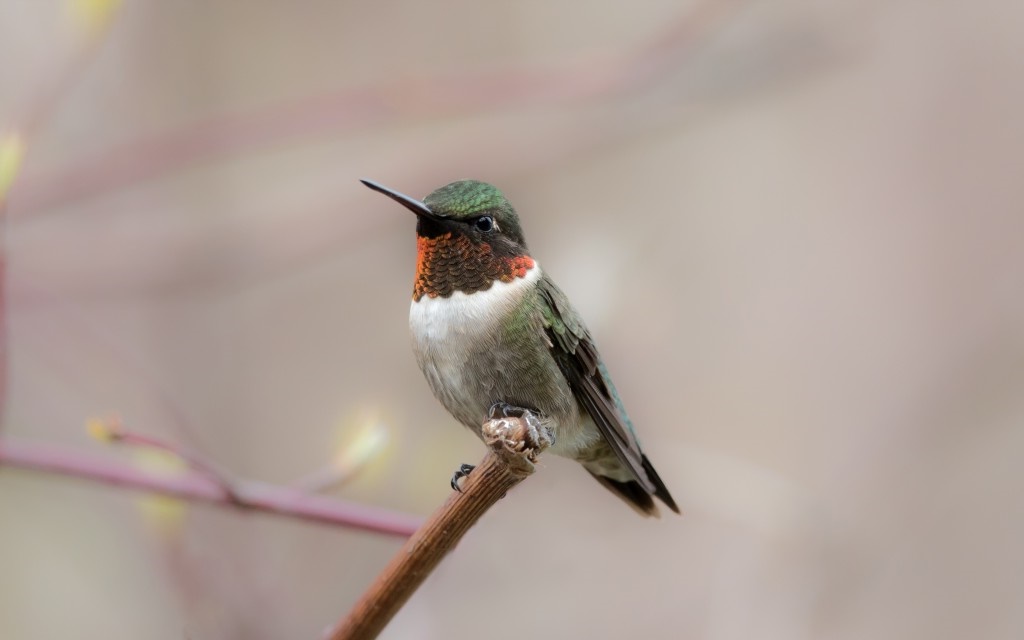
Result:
x=485 y=223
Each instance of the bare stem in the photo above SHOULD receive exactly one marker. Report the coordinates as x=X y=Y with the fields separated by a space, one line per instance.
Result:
x=508 y=463
x=117 y=433
x=355 y=108
x=200 y=487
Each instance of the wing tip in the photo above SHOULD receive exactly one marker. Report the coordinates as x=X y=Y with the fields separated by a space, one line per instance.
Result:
x=660 y=490
x=632 y=493
x=637 y=496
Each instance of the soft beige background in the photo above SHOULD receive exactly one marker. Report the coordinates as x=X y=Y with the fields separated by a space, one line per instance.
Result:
x=796 y=229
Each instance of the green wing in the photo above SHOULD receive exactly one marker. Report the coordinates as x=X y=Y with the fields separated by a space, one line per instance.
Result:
x=577 y=357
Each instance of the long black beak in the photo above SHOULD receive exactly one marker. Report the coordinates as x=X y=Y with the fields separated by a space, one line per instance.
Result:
x=412 y=204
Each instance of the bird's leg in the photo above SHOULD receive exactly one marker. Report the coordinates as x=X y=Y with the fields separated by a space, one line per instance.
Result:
x=502 y=409
x=461 y=473
x=519 y=429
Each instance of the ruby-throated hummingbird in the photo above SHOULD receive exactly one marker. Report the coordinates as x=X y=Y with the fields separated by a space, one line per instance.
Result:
x=489 y=329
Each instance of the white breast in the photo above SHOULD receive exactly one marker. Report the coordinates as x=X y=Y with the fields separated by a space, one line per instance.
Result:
x=436 y=320
x=444 y=328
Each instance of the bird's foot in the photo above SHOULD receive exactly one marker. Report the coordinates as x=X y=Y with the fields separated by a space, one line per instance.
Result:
x=461 y=473
x=500 y=410
x=517 y=429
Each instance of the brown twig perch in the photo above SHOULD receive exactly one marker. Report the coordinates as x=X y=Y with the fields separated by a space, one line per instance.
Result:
x=515 y=444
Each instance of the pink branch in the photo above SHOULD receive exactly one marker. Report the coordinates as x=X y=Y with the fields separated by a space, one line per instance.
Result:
x=195 y=486
x=116 y=433
x=455 y=93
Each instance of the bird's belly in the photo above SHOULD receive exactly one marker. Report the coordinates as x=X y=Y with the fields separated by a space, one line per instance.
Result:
x=476 y=350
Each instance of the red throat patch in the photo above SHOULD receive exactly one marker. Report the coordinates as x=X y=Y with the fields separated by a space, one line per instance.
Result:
x=449 y=263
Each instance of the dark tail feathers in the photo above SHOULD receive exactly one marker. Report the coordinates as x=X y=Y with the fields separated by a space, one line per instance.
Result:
x=634 y=494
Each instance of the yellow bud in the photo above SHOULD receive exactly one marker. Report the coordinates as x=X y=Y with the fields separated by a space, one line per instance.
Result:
x=12 y=153
x=100 y=430
x=367 y=443
x=166 y=515
x=91 y=17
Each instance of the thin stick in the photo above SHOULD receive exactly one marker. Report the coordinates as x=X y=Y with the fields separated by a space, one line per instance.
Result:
x=464 y=93
x=508 y=463
x=199 y=487
x=113 y=431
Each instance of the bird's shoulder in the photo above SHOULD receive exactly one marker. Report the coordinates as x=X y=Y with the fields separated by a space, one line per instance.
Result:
x=560 y=319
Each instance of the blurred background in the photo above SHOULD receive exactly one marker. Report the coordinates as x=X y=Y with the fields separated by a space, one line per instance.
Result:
x=794 y=227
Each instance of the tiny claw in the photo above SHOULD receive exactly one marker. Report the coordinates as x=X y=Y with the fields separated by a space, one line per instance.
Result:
x=501 y=410
x=496 y=411
x=461 y=473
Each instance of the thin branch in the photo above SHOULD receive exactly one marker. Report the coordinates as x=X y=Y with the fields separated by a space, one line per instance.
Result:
x=39 y=105
x=463 y=92
x=324 y=479
x=364 y=446
x=113 y=431
x=514 y=448
x=198 y=487
x=43 y=99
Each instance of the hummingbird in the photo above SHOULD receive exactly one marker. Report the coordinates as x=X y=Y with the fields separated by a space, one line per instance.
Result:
x=490 y=330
